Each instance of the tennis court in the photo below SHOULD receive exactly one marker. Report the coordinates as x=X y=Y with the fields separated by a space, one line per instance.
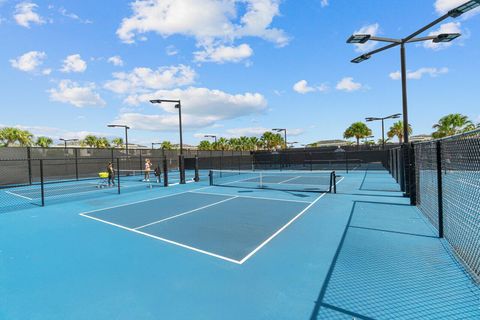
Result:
x=238 y=244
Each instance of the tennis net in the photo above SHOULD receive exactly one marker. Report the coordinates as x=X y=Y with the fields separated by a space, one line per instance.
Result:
x=306 y=181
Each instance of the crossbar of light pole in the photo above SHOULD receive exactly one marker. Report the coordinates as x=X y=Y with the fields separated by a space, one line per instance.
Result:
x=445 y=37
x=126 y=133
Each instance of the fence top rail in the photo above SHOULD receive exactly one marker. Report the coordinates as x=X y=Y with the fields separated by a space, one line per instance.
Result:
x=455 y=136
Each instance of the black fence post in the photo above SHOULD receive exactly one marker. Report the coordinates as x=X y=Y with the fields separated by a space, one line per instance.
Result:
x=118 y=176
x=413 y=181
x=165 y=171
x=181 y=166
x=76 y=162
x=29 y=160
x=42 y=184
x=440 y=189
x=346 y=161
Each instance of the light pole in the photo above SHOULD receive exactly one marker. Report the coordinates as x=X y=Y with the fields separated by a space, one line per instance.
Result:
x=67 y=140
x=178 y=105
x=393 y=116
x=126 y=133
x=444 y=37
x=285 y=132
x=292 y=144
x=156 y=143
x=211 y=136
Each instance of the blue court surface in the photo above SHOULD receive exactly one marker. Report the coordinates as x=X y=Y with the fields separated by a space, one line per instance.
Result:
x=197 y=251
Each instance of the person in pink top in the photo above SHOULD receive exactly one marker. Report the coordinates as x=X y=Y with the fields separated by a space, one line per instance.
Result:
x=147 y=168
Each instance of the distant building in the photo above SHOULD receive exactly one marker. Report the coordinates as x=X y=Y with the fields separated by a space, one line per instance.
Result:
x=421 y=138
x=329 y=143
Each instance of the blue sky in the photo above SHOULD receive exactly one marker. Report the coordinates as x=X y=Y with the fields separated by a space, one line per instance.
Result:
x=69 y=68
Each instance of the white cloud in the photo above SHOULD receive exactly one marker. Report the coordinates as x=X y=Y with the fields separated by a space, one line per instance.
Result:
x=451 y=27
x=201 y=107
x=25 y=14
x=222 y=54
x=416 y=75
x=73 y=16
x=74 y=63
x=302 y=87
x=218 y=26
x=347 y=84
x=248 y=132
x=371 y=29
x=116 y=61
x=443 y=6
x=29 y=62
x=144 y=79
x=75 y=94
x=46 y=72
x=324 y=3
x=171 y=50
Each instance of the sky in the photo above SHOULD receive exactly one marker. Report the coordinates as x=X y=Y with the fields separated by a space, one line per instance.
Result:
x=239 y=67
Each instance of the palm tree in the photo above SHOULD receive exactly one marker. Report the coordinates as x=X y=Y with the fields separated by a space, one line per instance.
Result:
x=166 y=145
x=9 y=136
x=396 y=130
x=357 y=130
x=235 y=144
x=245 y=144
x=255 y=143
x=272 y=141
x=44 y=142
x=204 y=145
x=103 y=143
x=117 y=142
x=90 y=141
x=452 y=124
x=222 y=144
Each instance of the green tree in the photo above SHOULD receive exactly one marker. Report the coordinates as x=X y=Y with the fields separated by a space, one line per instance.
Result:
x=235 y=144
x=204 y=145
x=396 y=130
x=357 y=130
x=44 y=142
x=166 y=145
x=117 y=142
x=272 y=141
x=222 y=144
x=9 y=136
x=255 y=143
x=102 y=143
x=90 y=141
x=452 y=124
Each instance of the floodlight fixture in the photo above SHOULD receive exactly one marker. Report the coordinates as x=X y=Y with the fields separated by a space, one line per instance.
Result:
x=359 y=38
x=393 y=116
x=126 y=133
x=67 y=140
x=362 y=58
x=446 y=37
x=464 y=8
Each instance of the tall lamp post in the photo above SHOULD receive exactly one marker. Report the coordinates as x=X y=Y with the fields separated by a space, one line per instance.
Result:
x=393 y=116
x=178 y=105
x=67 y=140
x=292 y=144
x=444 y=37
x=211 y=136
x=126 y=133
x=285 y=134
x=155 y=144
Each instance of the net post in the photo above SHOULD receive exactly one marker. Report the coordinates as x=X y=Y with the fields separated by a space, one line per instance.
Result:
x=334 y=182
x=42 y=184
x=197 y=176
x=118 y=176
x=165 y=171
x=440 y=189
x=76 y=162
x=181 y=167
x=29 y=159
x=210 y=177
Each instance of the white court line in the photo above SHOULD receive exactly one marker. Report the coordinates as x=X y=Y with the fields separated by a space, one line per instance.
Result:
x=141 y=201
x=164 y=240
x=187 y=212
x=288 y=180
x=282 y=228
x=18 y=195
x=251 y=197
